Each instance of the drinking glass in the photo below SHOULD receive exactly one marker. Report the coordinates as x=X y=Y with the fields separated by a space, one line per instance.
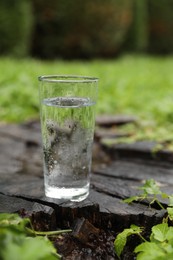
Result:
x=67 y=109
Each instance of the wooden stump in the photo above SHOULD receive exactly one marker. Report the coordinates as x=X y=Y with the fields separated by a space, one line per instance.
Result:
x=117 y=172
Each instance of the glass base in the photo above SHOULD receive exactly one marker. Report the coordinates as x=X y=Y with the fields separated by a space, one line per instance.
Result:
x=72 y=194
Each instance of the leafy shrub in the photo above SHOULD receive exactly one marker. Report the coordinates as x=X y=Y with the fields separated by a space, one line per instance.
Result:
x=80 y=29
x=159 y=245
x=160 y=26
x=15 y=27
x=137 y=36
x=151 y=27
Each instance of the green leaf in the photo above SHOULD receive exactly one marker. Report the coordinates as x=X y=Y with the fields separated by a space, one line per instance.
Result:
x=121 y=241
x=160 y=246
x=169 y=235
x=17 y=245
x=39 y=248
x=121 y=238
x=164 y=195
x=13 y=221
x=147 y=246
x=170 y=212
x=170 y=200
x=159 y=232
x=151 y=187
x=136 y=229
x=131 y=199
x=7 y=219
x=7 y=237
x=149 y=250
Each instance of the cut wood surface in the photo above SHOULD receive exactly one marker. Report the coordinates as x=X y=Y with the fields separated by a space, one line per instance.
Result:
x=117 y=173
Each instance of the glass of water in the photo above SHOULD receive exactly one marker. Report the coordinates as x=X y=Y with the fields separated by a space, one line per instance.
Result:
x=67 y=108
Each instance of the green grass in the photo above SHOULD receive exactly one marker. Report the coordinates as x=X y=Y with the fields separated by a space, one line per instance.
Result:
x=133 y=85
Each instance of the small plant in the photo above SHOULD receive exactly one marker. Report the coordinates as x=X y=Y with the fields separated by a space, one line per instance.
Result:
x=19 y=241
x=160 y=244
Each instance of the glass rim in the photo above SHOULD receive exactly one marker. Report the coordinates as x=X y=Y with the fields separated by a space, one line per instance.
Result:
x=67 y=79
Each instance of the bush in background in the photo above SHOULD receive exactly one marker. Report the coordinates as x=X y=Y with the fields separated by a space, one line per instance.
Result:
x=80 y=29
x=151 y=29
x=15 y=27
x=85 y=29
x=160 y=26
x=137 y=35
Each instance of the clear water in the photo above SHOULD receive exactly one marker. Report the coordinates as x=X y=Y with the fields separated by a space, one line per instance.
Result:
x=67 y=133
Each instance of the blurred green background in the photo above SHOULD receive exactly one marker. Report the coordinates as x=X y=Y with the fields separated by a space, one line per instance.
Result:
x=128 y=44
x=85 y=29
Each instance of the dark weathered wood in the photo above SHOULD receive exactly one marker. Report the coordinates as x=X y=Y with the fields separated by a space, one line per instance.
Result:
x=110 y=120
x=19 y=147
x=103 y=207
x=12 y=204
x=111 y=133
x=42 y=216
x=138 y=171
x=143 y=150
x=83 y=231
x=118 y=178
x=117 y=172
